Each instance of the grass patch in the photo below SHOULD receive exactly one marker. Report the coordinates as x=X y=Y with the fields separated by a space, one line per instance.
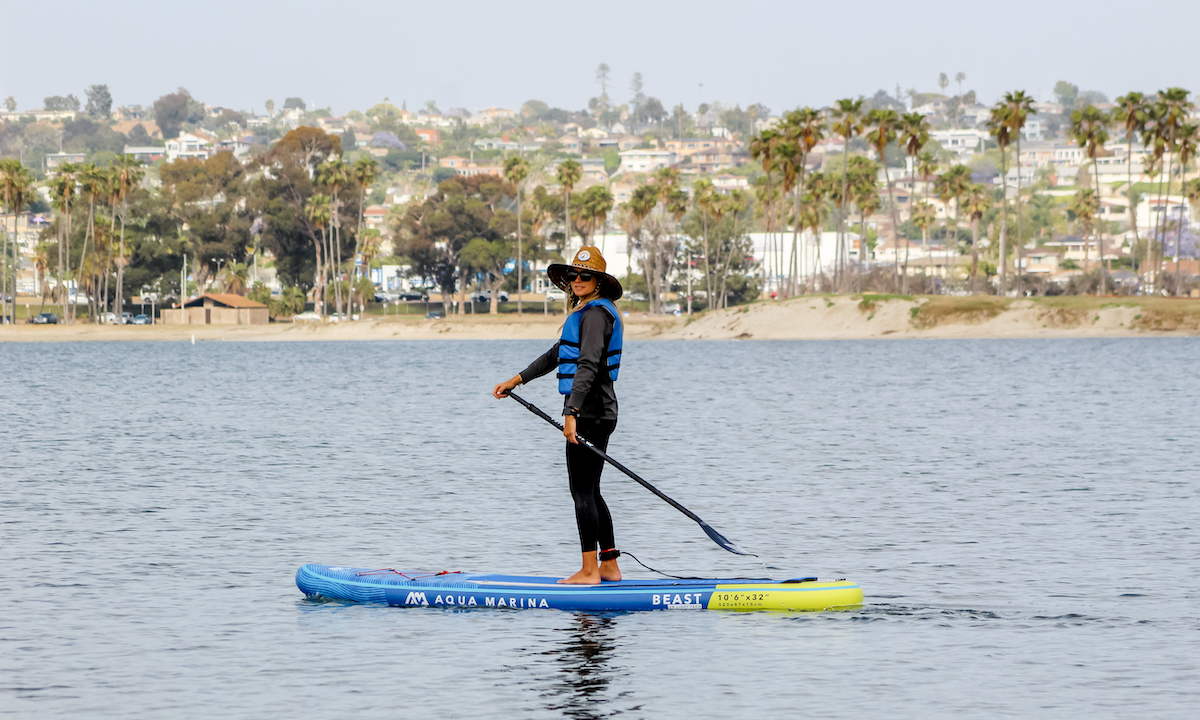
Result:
x=870 y=300
x=943 y=310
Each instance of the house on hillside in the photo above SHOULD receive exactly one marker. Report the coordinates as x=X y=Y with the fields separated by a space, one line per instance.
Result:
x=195 y=144
x=431 y=136
x=644 y=161
x=53 y=160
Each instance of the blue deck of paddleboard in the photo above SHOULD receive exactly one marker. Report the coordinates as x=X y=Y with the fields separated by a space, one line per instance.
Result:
x=520 y=591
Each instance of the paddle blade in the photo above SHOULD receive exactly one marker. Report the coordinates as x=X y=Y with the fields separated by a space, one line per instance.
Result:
x=723 y=541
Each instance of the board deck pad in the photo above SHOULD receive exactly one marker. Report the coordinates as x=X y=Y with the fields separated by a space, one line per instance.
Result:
x=488 y=590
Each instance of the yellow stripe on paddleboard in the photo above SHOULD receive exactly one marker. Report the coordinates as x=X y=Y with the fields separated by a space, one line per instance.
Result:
x=790 y=596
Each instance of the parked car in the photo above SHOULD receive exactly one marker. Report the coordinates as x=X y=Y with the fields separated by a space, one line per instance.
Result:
x=142 y=320
x=486 y=296
x=108 y=318
x=672 y=309
x=636 y=296
x=46 y=319
x=308 y=316
x=555 y=295
x=435 y=314
x=412 y=295
x=126 y=318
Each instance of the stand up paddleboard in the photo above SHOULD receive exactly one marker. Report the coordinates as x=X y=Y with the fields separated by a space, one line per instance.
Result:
x=457 y=589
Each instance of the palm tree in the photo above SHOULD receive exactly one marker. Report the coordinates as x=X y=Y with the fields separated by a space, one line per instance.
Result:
x=865 y=196
x=638 y=208
x=913 y=135
x=804 y=129
x=1186 y=138
x=885 y=125
x=335 y=174
x=927 y=167
x=364 y=174
x=516 y=169
x=847 y=116
x=318 y=211
x=763 y=148
x=1020 y=107
x=237 y=278
x=91 y=181
x=569 y=174
x=17 y=183
x=999 y=128
x=1084 y=206
x=952 y=184
x=1089 y=128
x=978 y=201
x=1131 y=111
x=129 y=173
x=63 y=189
x=958 y=78
x=707 y=201
x=1175 y=109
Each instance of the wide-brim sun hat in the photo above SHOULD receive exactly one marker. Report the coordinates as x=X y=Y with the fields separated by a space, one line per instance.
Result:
x=588 y=258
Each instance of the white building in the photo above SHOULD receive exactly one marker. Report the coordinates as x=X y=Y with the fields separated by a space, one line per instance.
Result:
x=193 y=145
x=644 y=161
x=963 y=142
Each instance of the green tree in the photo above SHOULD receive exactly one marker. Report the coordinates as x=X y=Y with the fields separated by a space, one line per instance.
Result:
x=1089 y=128
x=170 y=113
x=1067 y=94
x=99 y=102
x=10 y=104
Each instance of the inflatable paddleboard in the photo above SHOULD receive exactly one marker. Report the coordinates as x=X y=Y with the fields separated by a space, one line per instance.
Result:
x=458 y=589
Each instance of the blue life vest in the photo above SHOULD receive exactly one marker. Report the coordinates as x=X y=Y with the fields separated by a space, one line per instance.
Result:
x=568 y=345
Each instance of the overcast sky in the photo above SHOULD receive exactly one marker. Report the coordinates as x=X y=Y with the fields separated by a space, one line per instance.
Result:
x=474 y=54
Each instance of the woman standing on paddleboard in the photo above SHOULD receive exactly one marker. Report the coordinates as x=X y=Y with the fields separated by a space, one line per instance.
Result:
x=587 y=356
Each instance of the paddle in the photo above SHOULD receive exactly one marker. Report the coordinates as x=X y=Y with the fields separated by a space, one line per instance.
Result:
x=715 y=536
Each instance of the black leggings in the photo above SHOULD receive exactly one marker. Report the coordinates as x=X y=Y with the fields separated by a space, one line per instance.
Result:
x=583 y=469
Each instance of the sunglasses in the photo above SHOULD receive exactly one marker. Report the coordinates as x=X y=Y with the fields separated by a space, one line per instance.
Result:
x=573 y=275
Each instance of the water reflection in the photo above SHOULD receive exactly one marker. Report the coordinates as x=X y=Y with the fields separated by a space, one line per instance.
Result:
x=585 y=669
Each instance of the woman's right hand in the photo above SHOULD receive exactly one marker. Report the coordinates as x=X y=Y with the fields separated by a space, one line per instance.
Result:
x=501 y=391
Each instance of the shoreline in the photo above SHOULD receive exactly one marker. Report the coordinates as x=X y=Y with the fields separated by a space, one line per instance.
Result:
x=810 y=317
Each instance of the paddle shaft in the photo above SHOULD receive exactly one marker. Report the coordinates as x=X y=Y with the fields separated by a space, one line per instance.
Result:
x=716 y=537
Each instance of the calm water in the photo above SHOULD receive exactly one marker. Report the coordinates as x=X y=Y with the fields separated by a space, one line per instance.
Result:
x=1021 y=514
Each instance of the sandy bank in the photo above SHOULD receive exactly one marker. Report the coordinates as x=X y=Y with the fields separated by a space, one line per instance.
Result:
x=804 y=318
x=859 y=317
x=469 y=327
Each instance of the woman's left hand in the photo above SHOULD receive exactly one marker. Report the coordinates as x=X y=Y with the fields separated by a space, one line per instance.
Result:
x=569 y=429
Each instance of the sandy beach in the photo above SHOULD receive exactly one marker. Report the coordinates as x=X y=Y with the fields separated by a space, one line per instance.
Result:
x=804 y=318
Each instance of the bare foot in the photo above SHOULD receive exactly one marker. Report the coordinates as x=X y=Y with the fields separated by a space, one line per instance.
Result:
x=609 y=571
x=587 y=576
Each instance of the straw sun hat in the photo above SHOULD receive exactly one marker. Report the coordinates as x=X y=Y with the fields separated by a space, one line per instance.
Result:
x=587 y=259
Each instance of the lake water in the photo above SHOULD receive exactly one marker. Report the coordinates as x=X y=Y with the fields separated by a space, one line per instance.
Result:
x=1022 y=516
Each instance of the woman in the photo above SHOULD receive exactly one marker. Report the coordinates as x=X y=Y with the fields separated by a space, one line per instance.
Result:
x=587 y=355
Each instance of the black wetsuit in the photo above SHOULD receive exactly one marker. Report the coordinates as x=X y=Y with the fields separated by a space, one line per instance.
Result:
x=593 y=393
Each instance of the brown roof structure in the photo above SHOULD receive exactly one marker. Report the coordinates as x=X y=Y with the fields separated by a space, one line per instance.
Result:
x=224 y=300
